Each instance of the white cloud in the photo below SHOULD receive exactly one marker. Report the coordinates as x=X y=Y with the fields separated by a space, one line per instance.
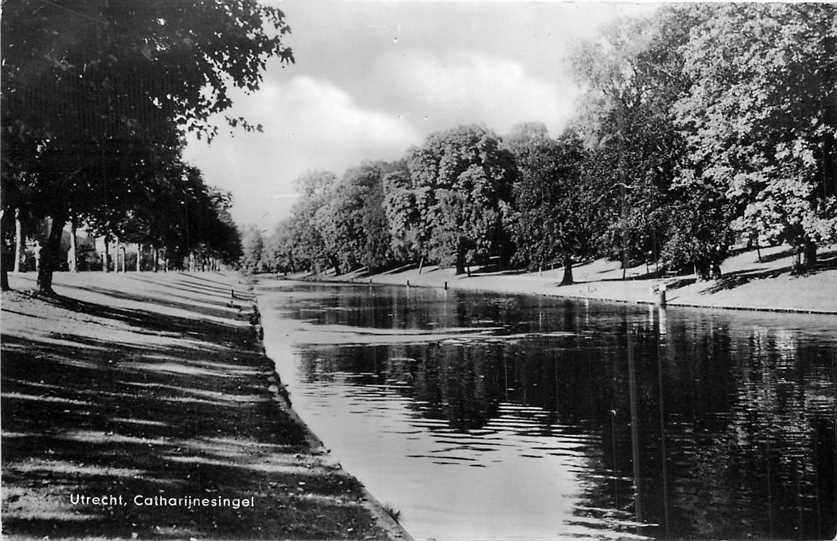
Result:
x=308 y=124
x=373 y=77
x=318 y=114
x=466 y=86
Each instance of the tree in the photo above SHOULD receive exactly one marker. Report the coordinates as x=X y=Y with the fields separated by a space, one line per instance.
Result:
x=280 y=254
x=552 y=201
x=88 y=90
x=407 y=231
x=307 y=244
x=211 y=234
x=224 y=238
x=376 y=254
x=354 y=222
x=634 y=75
x=524 y=135
x=377 y=249
x=761 y=116
x=340 y=220
x=461 y=181
x=700 y=234
x=10 y=201
x=253 y=247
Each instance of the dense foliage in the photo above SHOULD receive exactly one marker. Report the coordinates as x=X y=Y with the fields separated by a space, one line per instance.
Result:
x=700 y=127
x=759 y=118
x=96 y=99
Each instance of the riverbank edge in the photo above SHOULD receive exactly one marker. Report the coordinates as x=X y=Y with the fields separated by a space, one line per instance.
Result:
x=389 y=525
x=273 y=387
x=381 y=280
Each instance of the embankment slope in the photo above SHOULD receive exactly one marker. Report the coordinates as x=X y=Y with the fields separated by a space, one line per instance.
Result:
x=153 y=384
x=747 y=283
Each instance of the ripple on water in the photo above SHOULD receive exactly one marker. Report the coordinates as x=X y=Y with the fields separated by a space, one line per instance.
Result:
x=465 y=409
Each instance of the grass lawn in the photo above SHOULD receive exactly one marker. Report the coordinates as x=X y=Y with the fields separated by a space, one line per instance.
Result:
x=152 y=384
x=746 y=283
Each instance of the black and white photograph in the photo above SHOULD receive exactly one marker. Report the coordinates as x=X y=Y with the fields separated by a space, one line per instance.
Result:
x=418 y=270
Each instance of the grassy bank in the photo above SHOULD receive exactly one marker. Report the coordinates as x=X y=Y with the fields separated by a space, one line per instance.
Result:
x=747 y=283
x=152 y=384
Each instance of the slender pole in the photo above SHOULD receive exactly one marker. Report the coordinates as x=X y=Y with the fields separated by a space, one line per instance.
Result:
x=621 y=122
x=72 y=254
x=632 y=390
x=624 y=232
x=661 y=345
x=18 y=240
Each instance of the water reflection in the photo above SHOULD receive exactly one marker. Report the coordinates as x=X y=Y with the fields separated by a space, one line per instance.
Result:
x=629 y=422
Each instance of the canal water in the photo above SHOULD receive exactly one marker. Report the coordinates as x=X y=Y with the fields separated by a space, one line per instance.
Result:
x=504 y=417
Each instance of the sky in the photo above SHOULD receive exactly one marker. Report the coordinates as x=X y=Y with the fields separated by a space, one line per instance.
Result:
x=372 y=78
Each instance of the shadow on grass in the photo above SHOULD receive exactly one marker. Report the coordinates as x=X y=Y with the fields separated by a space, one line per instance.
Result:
x=496 y=270
x=225 y=311
x=767 y=258
x=188 y=412
x=650 y=275
x=186 y=283
x=681 y=282
x=825 y=261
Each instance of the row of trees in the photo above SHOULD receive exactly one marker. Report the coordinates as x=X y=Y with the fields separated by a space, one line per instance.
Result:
x=699 y=124
x=97 y=97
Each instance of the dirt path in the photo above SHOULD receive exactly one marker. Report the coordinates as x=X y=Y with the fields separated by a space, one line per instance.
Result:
x=153 y=385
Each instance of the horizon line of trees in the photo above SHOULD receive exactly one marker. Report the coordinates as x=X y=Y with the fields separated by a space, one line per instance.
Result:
x=701 y=124
x=97 y=99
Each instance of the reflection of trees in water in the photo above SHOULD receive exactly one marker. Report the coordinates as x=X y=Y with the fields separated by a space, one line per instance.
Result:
x=745 y=447
x=734 y=425
x=455 y=383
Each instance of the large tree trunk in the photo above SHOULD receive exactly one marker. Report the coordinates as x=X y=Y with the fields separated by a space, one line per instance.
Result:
x=568 y=271
x=291 y=262
x=805 y=256
x=809 y=255
x=124 y=252
x=156 y=252
x=460 y=258
x=72 y=255
x=702 y=270
x=106 y=259
x=139 y=256
x=49 y=255
x=4 y=274
x=460 y=264
x=18 y=240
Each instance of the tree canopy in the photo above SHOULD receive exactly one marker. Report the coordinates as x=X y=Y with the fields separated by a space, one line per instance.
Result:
x=461 y=181
x=760 y=117
x=96 y=98
x=700 y=127
x=553 y=202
